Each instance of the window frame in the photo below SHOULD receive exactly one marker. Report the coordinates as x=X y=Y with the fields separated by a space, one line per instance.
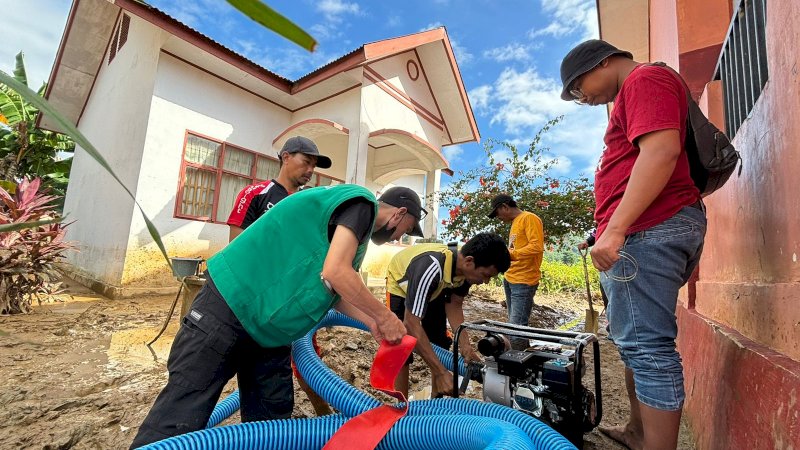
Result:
x=219 y=171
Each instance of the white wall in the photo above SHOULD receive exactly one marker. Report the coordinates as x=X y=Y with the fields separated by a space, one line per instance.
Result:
x=382 y=111
x=185 y=98
x=343 y=109
x=115 y=121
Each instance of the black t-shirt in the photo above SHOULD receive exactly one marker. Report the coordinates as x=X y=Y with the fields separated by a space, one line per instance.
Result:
x=355 y=214
x=254 y=200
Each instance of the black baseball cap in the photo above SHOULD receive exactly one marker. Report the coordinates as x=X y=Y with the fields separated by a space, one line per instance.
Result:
x=300 y=144
x=584 y=58
x=501 y=199
x=399 y=197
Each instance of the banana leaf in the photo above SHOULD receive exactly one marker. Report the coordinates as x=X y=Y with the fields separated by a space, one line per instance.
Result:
x=45 y=107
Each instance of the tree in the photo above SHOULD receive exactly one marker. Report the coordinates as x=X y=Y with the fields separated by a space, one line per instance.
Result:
x=564 y=205
x=28 y=151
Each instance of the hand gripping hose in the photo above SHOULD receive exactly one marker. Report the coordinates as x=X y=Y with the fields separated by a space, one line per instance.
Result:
x=438 y=423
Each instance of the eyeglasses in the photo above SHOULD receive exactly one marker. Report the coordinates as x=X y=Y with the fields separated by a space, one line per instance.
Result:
x=577 y=95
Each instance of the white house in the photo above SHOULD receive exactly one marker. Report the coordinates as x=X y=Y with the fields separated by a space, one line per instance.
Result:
x=186 y=123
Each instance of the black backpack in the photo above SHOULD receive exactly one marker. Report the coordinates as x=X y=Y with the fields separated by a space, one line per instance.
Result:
x=712 y=157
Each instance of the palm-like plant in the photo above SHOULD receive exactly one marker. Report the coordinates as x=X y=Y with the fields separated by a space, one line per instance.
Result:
x=28 y=256
x=27 y=151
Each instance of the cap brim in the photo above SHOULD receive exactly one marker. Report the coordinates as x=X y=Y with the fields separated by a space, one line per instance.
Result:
x=323 y=162
x=493 y=214
x=417 y=231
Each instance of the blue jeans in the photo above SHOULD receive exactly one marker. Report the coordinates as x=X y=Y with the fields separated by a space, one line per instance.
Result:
x=642 y=302
x=519 y=302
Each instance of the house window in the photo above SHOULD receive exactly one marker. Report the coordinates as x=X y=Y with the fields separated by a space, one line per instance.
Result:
x=213 y=173
x=742 y=66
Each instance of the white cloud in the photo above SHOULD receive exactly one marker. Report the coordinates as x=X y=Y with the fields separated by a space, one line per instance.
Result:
x=562 y=165
x=526 y=99
x=325 y=32
x=479 y=98
x=511 y=52
x=334 y=25
x=34 y=28
x=463 y=56
x=452 y=153
x=569 y=17
x=334 y=10
x=522 y=101
x=431 y=26
x=394 y=21
x=554 y=29
x=194 y=12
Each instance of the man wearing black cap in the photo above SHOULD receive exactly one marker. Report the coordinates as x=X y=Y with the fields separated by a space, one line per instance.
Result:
x=650 y=227
x=298 y=158
x=526 y=245
x=425 y=287
x=269 y=287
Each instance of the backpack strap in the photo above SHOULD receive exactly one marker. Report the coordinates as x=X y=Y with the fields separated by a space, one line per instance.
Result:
x=677 y=75
x=453 y=247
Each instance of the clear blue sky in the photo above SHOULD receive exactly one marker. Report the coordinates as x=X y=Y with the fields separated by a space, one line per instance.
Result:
x=509 y=54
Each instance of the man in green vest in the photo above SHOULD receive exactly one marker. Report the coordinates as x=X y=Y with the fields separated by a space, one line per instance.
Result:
x=267 y=288
x=426 y=284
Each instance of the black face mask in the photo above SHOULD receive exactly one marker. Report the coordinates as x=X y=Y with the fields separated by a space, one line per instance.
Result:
x=383 y=234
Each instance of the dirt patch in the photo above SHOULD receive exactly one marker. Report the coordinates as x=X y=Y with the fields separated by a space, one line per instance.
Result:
x=78 y=375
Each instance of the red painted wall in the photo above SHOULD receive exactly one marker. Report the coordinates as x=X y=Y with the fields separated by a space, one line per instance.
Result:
x=751 y=262
x=739 y=395
x=740 y=321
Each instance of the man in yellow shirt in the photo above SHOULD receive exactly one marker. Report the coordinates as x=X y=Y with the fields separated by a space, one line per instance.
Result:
x=526 y=245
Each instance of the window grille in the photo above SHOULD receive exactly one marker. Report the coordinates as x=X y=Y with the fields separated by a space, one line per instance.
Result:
x=742 y=65
x=213 y=173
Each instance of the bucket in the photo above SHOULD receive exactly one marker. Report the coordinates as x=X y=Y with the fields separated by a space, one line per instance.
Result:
x=184 y=267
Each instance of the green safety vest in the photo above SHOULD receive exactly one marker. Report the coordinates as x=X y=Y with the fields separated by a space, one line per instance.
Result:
x=270 y=274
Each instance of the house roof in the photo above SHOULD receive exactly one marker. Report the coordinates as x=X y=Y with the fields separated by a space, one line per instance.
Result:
x=88 y=33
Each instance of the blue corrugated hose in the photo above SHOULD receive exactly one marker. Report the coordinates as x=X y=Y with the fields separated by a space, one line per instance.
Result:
x=445 y=423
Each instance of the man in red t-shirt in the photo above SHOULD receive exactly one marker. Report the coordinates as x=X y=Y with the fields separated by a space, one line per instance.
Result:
x=650 y=227
x=298 y=158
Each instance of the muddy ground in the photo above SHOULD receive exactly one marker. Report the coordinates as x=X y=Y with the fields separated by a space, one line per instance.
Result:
x=76 y=374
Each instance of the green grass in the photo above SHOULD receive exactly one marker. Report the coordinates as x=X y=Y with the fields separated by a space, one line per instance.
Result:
x=562 y=278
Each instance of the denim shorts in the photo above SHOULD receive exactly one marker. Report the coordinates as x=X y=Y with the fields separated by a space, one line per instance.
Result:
x=643 y=293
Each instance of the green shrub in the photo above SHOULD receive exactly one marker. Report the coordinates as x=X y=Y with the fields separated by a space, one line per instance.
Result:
x=560 y=278
x=28 y=256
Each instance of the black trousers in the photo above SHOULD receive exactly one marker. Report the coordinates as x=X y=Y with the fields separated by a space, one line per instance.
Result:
x=434 y=323
x=209 y=349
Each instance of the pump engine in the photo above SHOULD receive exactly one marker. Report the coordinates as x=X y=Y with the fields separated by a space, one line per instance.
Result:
x=543 y=379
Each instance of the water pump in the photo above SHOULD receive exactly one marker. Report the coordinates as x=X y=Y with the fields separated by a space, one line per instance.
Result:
x=543 y=378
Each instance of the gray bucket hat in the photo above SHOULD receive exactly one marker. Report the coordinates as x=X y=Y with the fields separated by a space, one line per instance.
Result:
x=584 y=58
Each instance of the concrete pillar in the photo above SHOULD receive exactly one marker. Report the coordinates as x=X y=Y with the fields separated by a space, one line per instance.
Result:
x=432 y=180
x=357 y=150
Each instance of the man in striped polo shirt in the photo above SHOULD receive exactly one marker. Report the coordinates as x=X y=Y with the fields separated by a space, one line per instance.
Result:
x=426 y=285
